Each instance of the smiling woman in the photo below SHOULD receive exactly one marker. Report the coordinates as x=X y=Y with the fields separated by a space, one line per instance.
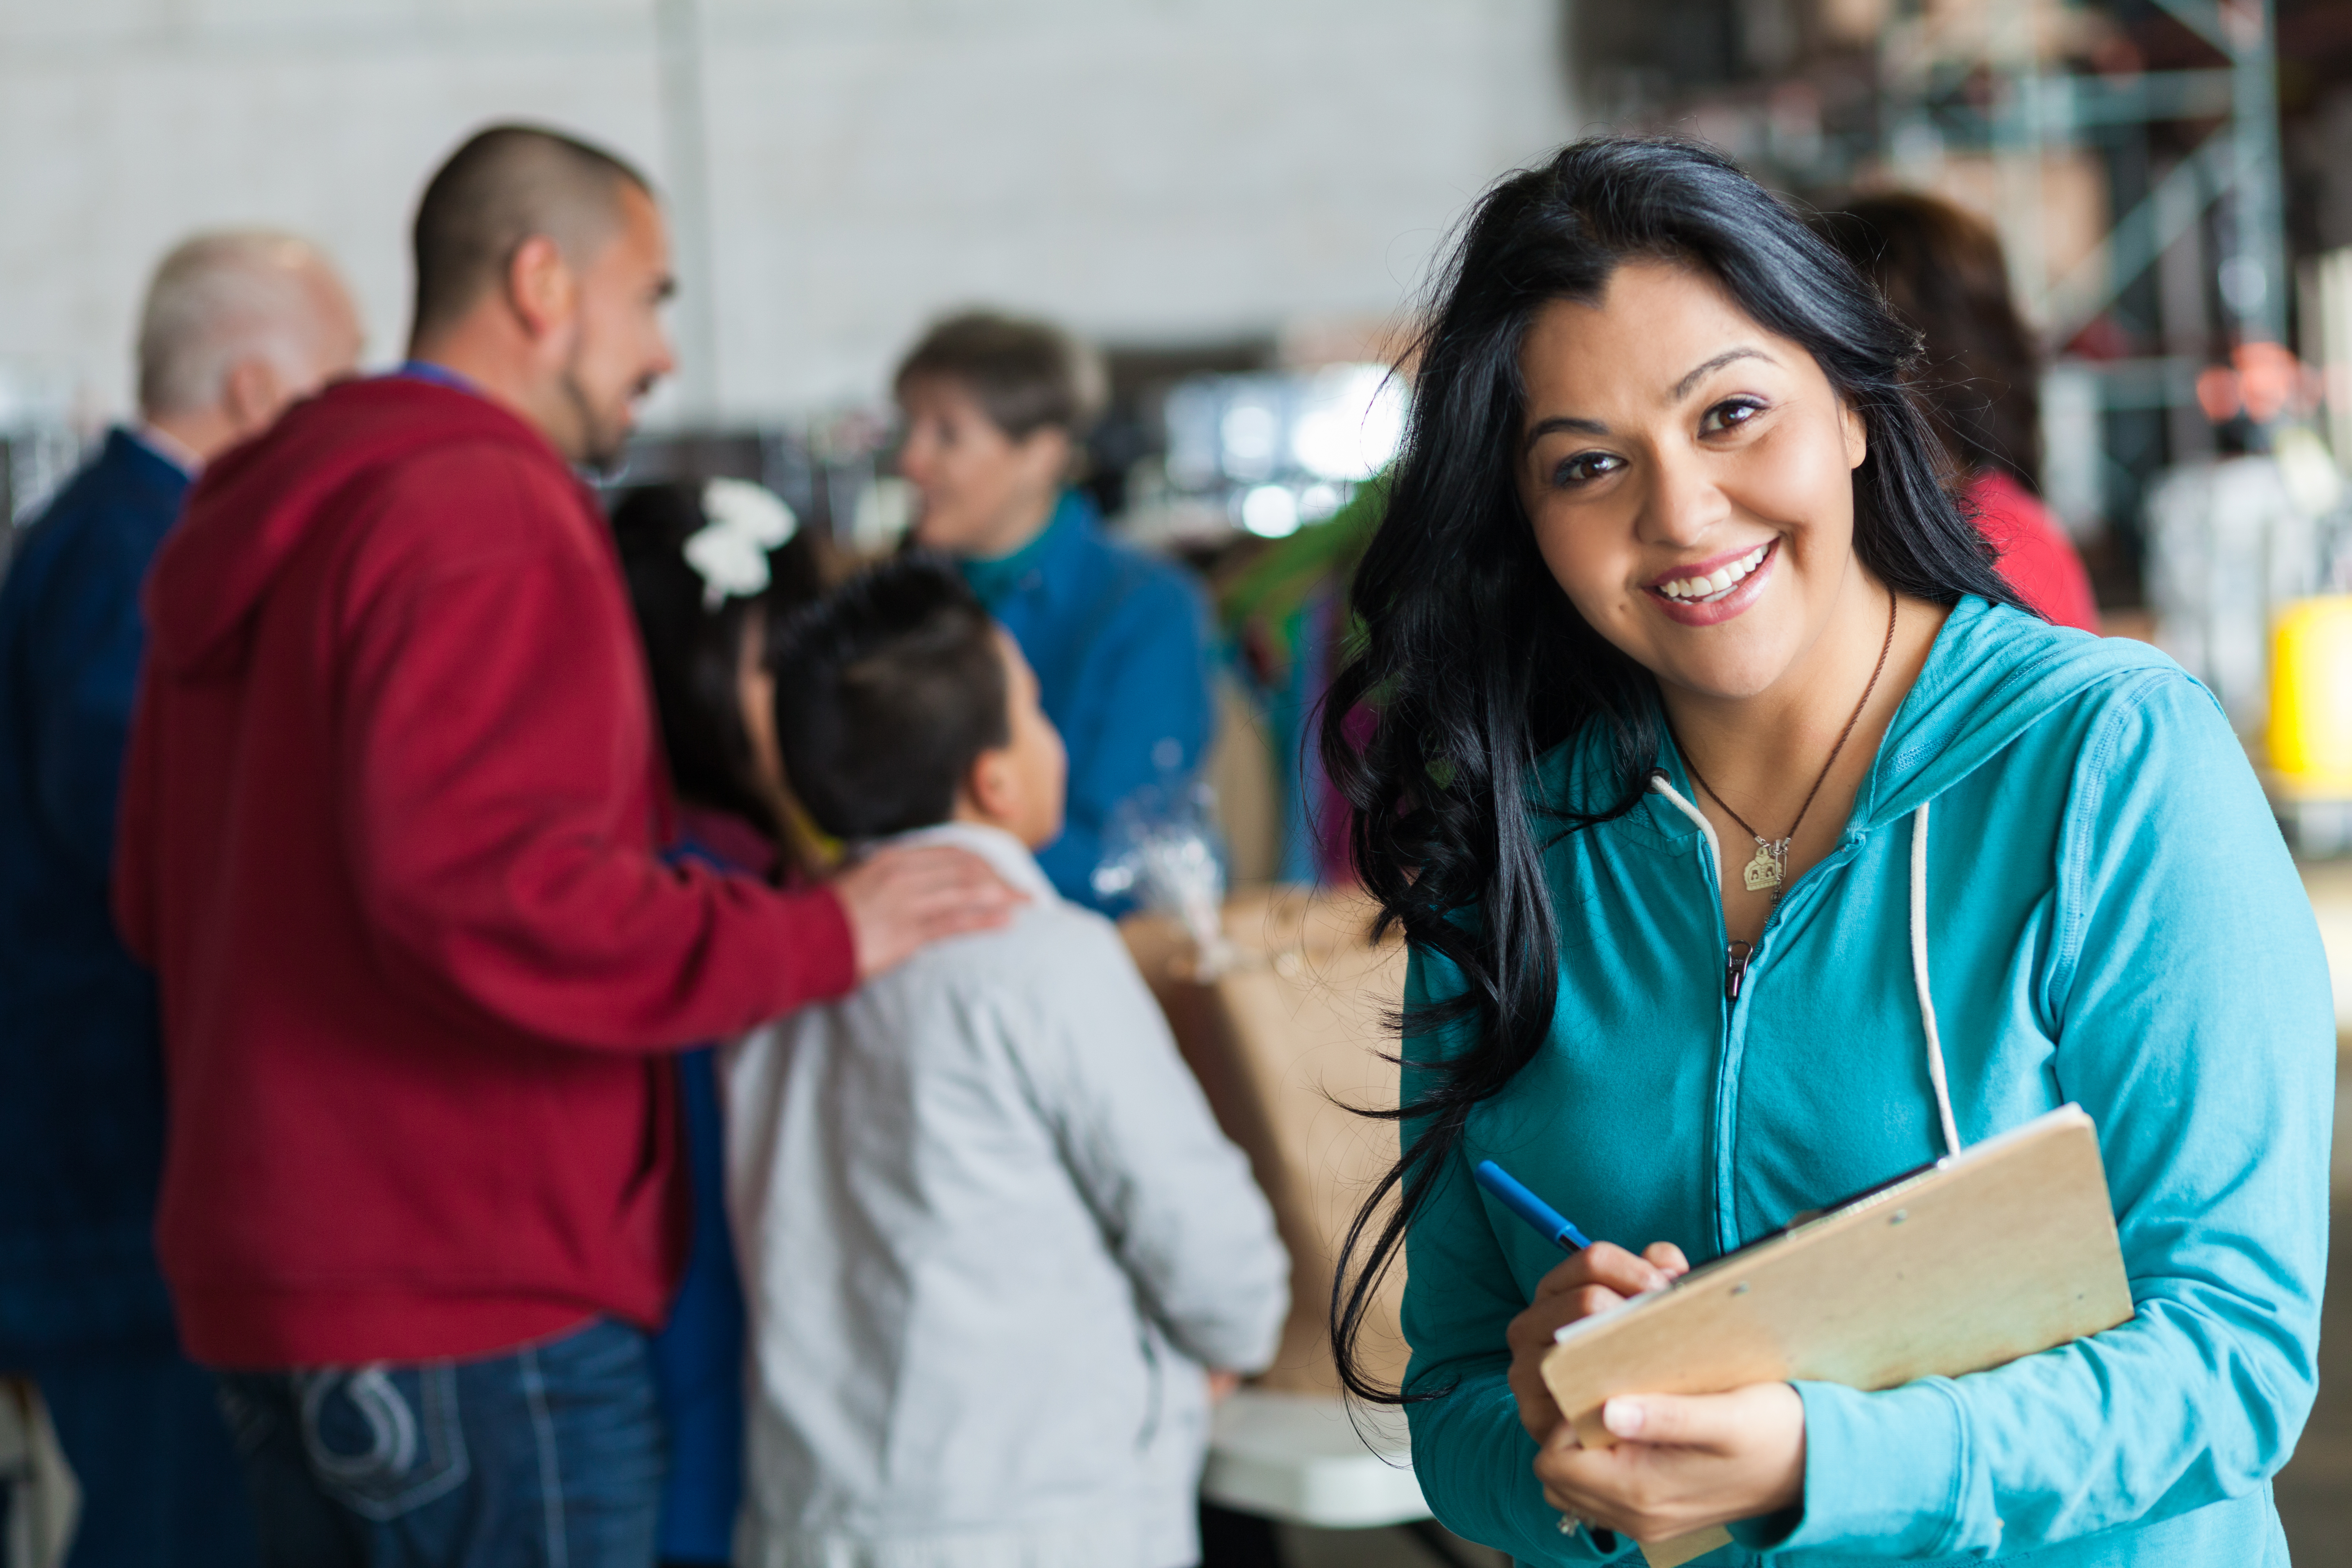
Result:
x=1668 y=565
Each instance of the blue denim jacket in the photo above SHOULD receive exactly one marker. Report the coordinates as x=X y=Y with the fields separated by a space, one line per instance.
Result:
x=81 y=1089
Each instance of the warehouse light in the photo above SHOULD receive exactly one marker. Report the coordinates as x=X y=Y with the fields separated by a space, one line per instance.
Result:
x=1251 y=431
x=1270 y=511
x=1350 y=423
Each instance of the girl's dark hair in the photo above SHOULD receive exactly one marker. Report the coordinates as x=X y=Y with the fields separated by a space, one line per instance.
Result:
x=1942 y=271
x=1473 y=662
x=694 y=650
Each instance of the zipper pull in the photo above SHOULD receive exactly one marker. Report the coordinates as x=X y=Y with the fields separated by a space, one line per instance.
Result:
x=1735 y=968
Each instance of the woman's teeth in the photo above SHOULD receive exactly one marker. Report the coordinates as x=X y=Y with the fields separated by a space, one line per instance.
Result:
x=1699 y=590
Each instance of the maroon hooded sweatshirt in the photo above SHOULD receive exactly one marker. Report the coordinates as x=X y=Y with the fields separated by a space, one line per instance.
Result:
x=390 y=826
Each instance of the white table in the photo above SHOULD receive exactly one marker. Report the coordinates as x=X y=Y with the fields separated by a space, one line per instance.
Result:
x=1297 y=1457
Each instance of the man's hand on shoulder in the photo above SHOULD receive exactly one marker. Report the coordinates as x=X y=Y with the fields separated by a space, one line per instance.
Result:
x=899 y=900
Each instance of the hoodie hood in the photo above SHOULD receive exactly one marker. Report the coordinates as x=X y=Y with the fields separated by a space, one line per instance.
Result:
x=1993 y=673
x=255 y=507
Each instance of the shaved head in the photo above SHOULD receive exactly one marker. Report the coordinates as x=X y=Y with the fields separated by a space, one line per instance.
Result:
x=221 y=298
x=507 y=185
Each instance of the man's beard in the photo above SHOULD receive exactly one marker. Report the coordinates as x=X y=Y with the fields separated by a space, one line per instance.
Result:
x=600 y=445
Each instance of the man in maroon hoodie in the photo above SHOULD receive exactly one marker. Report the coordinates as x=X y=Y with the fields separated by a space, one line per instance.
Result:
x=390 y=831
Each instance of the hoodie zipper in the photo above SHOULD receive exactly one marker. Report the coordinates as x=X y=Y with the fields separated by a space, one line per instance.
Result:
x=1735 y=954
x=1735 y=968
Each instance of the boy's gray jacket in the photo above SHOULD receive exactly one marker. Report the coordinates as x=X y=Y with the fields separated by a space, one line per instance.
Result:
x=990 y=1235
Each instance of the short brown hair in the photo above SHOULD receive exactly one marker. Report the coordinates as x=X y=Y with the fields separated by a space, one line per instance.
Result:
x=507 y=184
x=1025 y=375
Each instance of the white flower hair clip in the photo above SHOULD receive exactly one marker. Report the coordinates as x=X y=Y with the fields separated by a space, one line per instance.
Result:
x=729 y=552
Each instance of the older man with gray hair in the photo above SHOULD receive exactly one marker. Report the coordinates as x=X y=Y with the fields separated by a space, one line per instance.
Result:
x=236 y=327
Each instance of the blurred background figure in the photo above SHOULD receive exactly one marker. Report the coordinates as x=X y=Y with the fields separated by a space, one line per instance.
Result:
x=1943 y=271
x=995 y=408
x=235 y=326
x=711 y=569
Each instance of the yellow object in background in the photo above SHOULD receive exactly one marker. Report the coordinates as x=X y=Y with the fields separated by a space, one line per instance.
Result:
x=2311 y=696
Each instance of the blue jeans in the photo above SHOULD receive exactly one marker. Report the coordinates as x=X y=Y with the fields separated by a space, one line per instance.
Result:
x=143 y=1434
x=549 y=1455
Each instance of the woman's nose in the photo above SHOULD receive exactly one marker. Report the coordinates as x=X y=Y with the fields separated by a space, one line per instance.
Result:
x=1683 y=503
x=913 y=460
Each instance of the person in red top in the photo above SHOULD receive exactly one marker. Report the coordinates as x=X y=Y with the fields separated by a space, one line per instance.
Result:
x=388 y=837
x=1942 y=273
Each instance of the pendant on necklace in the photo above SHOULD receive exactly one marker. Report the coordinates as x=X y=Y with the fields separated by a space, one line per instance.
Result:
x=1764 y=873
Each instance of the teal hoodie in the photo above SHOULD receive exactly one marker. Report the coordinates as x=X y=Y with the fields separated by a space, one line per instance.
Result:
x=2112 y=920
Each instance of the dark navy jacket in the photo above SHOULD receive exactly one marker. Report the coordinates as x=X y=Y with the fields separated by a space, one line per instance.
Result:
x=1118 y=640
x=81 y=1091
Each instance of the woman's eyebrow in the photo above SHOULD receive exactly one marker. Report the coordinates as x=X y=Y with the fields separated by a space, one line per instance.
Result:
x=1543 y=428
x=1682 y=387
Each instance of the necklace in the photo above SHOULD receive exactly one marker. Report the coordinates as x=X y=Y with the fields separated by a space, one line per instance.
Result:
x=1770 y=869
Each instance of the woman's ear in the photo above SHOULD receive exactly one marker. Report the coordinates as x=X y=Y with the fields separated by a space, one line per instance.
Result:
x=1047 y=456
x=1857 y=435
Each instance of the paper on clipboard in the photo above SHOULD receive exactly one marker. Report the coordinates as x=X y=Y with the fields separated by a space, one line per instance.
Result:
x=2000 y=1251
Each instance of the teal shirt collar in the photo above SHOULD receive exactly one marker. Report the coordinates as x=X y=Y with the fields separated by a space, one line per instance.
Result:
x=995 y=579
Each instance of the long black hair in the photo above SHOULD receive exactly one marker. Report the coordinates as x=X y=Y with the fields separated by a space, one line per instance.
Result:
x=694 y=649
x=1470 y=657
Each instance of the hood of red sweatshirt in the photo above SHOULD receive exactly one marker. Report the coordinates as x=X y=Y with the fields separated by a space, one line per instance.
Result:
x=255 y=505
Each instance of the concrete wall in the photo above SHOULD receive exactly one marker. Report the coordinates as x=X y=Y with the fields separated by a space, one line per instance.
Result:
x=1151 y=171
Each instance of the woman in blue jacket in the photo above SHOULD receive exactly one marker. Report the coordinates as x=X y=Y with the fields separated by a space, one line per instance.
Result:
x=1754 y=847
x=994 y=409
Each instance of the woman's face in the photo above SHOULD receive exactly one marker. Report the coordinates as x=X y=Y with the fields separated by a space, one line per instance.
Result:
x=1688 y=474
x=983 y=493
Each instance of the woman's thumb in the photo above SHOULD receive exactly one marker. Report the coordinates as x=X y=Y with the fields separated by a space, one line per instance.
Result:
x=1671 y=1418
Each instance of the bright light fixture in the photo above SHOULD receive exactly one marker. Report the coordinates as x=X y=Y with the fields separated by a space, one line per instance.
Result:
x=1350 y=423
x=1270 y=511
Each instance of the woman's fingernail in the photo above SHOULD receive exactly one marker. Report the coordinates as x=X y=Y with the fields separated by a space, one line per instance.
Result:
x=1623 y=1417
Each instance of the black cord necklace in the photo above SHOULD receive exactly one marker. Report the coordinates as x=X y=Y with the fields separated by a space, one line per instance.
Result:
x=1769 y=870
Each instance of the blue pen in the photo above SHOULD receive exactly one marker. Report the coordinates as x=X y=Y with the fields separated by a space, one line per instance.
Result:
x=1533 y=1210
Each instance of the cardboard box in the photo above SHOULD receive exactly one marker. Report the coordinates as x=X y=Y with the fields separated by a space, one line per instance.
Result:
x=1285 y=1042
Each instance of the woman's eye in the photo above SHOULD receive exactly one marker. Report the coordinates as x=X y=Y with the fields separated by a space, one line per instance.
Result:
x=1586 y=467
x=1729 y=413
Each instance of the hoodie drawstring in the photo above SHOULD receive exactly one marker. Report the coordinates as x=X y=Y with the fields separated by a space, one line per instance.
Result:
x=1919 y=979
x=1659 y=786
x=1738 y=961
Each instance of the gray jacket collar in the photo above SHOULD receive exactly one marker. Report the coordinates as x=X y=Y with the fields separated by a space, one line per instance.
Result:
x=1005 y=855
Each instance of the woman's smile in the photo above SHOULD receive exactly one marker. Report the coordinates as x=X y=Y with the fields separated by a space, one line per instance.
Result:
x=1708 y=592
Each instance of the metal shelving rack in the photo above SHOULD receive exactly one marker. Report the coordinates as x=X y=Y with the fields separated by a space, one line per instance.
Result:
x=2195 y=253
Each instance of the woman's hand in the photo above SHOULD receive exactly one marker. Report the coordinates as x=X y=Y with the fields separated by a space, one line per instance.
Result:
x=1682 y=1461
x=1595 y=1279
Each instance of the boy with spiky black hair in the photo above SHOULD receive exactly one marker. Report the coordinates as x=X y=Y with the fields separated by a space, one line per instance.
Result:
x=991 y=1237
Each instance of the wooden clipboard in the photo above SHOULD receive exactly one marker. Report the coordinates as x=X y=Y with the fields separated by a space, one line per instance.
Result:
x=2003 y=1250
